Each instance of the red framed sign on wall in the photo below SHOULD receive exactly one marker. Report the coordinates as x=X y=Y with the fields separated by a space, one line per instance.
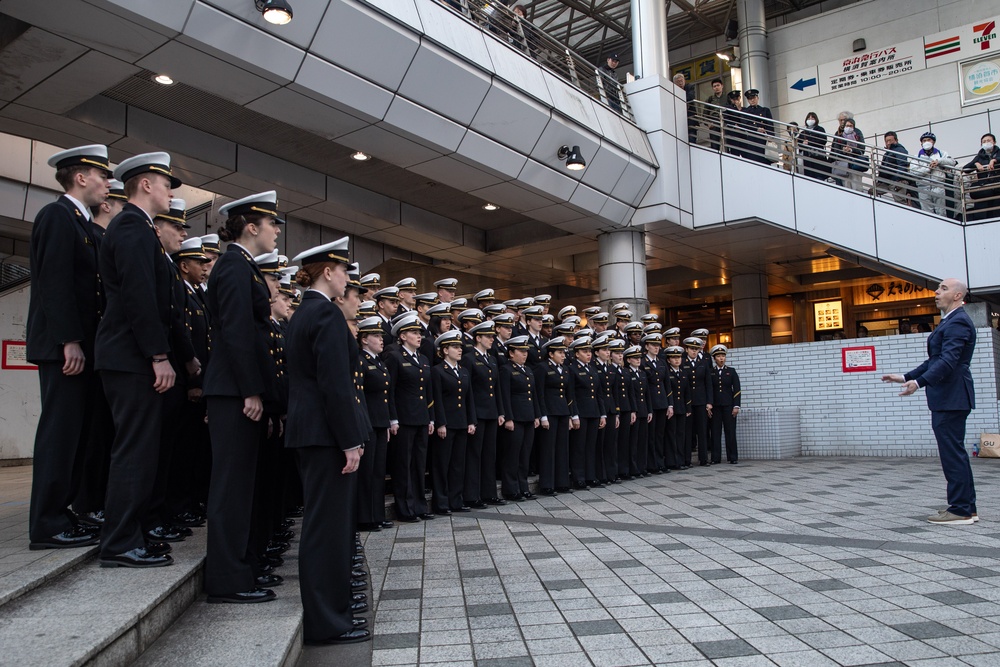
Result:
x=858 y=359
x=15 y=356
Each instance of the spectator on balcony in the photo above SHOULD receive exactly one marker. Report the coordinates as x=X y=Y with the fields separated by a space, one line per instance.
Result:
x=610 y=82
x=734 y=125
x=790 y=160
x=985 y=186
x=812 y=146
x=716 y=99
x=850 y=155
x=526 y=38
x=760 y=127
x=931 y=171
x=894 y=170
x=689 y=95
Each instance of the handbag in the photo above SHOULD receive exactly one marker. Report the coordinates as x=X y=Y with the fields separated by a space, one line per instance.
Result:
x=859 y=163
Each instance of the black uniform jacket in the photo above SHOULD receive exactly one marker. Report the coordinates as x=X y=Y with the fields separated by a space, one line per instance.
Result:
x=725 y=386
x=656 y=383
x=198 y=324
x=378 y=398
x=239 y=304
x=138 y=282
x=639 y=387
x=411 y=386
x=517 y=386
x=606 y=387
x=587 y=401
x=699 y=378
x=453 y=404
x=485 y=384
x=680 y=389
x=322 y=402
x=66 y=300
x=553 y=389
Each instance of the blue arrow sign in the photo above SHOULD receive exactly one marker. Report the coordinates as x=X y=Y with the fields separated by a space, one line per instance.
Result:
x=802 y=84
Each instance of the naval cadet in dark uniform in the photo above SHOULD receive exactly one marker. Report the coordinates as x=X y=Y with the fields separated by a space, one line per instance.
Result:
x=680 y=406
x=481 y=457
x=606 y=450
x=725 y=405
x=625 y=400
x=455 y=419
x=759 y=128
x=386 y=302
x=638 y=436
x=697 y=431
x=324 y=431
x=64 y=310
x=523 y=414
x=131 y=352
x=659 y=400
x=381 y=413
x=588 y=416
x=241 y=373
x=554 y=386
x=533 y=329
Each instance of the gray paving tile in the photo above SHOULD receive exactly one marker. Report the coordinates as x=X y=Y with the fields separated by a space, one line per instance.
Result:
x=974 y=572
x=494 y=609
x=712 y=575
x=591 y=628
x=726 y=648
x=783 y=612
x=820 y=585
x=664 y=598
x=396 y=640
x=954 y=597
x=401 y=594
x=564 y=584
x=927 y=630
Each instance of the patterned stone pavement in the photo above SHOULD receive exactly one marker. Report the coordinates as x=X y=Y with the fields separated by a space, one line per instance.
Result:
x=822 y=561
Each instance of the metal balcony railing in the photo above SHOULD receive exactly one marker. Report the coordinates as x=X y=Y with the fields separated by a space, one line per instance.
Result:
x=12 y=275
x=948 y=191
x=493 y=17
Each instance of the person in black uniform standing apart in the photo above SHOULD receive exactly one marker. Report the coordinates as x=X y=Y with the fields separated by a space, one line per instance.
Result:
x=759 y=128
x=588 y=416
x=131 y=353
x=553 y=384
x=242 y=371
x=410 y=373
x=523 y=413
x=481 y=458
x=455 y=419
x=64 y=310
x=697 y=428
x=327 y=436
x=725 y=404
x=638 y=436
x=381 y=413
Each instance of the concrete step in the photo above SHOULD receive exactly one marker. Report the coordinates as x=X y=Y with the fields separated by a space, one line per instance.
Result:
x=77 y=613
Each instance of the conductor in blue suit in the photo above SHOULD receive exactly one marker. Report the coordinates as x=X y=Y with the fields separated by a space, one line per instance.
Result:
x=950 y=397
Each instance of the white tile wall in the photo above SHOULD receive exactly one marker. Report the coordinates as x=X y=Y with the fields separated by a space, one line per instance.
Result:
x=855 y=414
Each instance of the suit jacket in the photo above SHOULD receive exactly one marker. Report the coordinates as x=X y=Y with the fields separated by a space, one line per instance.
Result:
x=656 y=381
x=639 y=384
x=485 y=384
x=500 y=353
x=240 y=306
x=196 y=316
x=620 y=389
x=553 y=389
x=603 y=373
x=517 y=385
x=535 y=354
x=453 y=404
x=699 y=379
x=181 y=345
x=322 y=403
x=138 y=282
x=378 y=398
x=358 y=375
x=410 y=377
x=946 y=375
x=725 y=386
x=67 y=299
x=587 y=400
x=680 y=389
x=276 y=399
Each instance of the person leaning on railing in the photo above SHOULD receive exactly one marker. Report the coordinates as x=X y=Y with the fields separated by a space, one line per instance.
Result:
x=812 y=145
x=930 y=168
x=850 y=157
x=984 y=188
x=893 y=170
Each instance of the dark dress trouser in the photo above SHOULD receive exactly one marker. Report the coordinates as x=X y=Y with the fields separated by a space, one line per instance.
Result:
x=624 y=438
x=637 y=445
x=63 y=429
x=724 y=421
x=553 y=454
x=229 y=567
x=93 y=477
x=656 y=458
x=447 y=457
x=697 y=432
x=326 y=542
x=517 y=458
x=409 y=462
x=582 y=443
x=138 y=413
x=949 y=430
x=371 y=479
x=488 y=460
x=607 y=465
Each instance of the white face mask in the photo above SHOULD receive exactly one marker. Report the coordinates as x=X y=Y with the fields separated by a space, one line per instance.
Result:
x=849 y=131
x=987 y=146
x=811 y=122
x=928 y=145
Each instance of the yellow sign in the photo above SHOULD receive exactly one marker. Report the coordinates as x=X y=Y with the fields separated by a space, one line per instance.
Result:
x=887 y=292
x=696 y=70
x=829 y=315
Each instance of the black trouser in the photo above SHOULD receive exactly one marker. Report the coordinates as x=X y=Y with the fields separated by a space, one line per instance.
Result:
x=657 y=456
x=326 y=542
x=674 y=441
x=949 y=431
x=697 y=432
x=138 y=411
x=229 y=564
x=96 y=455
x=724 y=419
x=471 y=491
x=680 y=426
x=448 y=469
x=582 y=443
x=606 y=459
x=192 y=461
x=516 y=458
x=624 y=438
x=371 y=479
x=60 y=441
x=553 y=454
x=172 y=464
x=481 y=484
x=266 y=490
x=638 y=446
x=409 y=462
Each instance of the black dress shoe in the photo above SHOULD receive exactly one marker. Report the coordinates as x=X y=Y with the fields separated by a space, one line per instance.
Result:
x=283 y=536
x=163 y=534
x=79 y=536
x=358 y=597
x=357 y=558
x=369 y=527
x=512 y=498
x=734 y=461
x=426 y=516
x=296 y=511
x=478 y=505
x=183 y=530
x=269 y=580
x=246 y=597
x=92 y=518
x=563 y=489
x=359 y=584
x=528 y=495
x=409 y=519
x=359 y=622
x=385 y=524
x=443 y=512
x=136 y=558
x=359 y=607
x=265 y=568
x=495 y=501
x=548 y=492
x=358 y=573
x=463 y=508
x=158 y=548
x=286 y=523
x=275 y=561
x=188 y=520
x=350 y=637
x=276 y=548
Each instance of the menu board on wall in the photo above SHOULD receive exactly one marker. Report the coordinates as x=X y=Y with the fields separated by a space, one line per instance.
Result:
x=829 y=315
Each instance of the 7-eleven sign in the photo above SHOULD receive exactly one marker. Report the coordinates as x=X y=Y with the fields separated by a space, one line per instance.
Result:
x=985 y=32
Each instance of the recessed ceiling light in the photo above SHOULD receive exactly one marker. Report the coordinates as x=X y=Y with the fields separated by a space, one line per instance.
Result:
x=163 y=79
x=360 y=157
x=490 y=207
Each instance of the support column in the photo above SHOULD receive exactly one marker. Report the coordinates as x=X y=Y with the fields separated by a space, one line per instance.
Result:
x=751 y=323
x=621 y=259
x=649 y=38
x=753 y=48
